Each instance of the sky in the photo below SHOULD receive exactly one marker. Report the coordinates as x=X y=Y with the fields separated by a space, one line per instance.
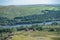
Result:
x=28 y=2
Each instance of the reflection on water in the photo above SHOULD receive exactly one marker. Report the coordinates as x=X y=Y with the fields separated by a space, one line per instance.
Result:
x=46 y=23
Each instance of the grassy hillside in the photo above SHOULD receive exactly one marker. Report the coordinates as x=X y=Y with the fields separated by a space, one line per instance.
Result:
x=30 y=14
x=48 y=32
x=14 y=11
x=15 y=14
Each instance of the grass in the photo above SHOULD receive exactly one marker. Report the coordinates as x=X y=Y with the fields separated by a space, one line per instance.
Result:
x=16 y=11
x=56 y=38
x=36 y=35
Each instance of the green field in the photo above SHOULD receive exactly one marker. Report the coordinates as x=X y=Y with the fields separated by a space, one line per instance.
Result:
x=17 y=11
x=36 y=35
x=30 y=14
x=45 y=32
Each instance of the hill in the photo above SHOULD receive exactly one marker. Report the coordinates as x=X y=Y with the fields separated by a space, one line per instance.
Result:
x=15 y=14
x=16 y=10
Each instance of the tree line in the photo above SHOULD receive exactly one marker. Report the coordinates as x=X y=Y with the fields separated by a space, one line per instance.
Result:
x=48 y=16
x=7 y=32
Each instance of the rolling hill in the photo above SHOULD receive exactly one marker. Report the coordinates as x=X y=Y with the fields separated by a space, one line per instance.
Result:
x=24 y=10
x=25 y=14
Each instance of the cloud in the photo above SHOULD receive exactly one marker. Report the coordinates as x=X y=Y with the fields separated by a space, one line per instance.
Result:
x=26 y=2
x=23 y=2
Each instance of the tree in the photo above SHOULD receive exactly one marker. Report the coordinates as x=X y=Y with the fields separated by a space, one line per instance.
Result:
x=54 y=23
x=2 y=36
x=34 y=27
x=26 y=28
x=52 y=29
x=14 y=30
x=39 y=28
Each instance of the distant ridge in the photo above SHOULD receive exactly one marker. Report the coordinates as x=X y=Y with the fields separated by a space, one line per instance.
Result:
x=34 y=5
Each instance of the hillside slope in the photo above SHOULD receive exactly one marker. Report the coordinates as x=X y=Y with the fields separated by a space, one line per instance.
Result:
x=13 y=15
x=15 y=11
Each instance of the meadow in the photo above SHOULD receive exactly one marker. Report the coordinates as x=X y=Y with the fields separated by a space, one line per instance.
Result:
x=30 y=14
x=38 y=35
